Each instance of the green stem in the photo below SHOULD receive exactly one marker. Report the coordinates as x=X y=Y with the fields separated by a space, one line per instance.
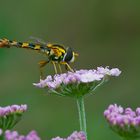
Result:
x=2 y=137
x=82 y=116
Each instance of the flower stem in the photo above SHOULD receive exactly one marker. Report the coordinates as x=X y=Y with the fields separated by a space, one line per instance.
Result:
x=82 y=116
x=2 y=137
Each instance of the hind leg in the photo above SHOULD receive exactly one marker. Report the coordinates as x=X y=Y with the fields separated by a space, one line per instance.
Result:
x=60 y=69
x=4 y=43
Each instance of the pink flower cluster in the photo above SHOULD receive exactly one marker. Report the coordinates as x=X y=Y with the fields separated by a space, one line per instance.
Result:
x=14 y=135
x=123 y=121
x=74 y=136
x=4 y=111
x=9 y=135
x=11 y=115
x=77 y=77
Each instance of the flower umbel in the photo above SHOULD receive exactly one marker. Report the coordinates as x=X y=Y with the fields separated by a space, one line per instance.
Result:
x=78 y=83
x=10 y=115
x=125 y=122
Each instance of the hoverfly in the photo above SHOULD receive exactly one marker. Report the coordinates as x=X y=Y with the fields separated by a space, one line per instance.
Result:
x=56 y=54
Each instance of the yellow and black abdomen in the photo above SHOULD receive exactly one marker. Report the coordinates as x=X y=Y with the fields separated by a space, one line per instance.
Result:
x=38 y=47
x=5 y=43
x=25 y=45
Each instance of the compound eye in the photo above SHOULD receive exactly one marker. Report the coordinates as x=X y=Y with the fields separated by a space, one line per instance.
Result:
x=69 y=55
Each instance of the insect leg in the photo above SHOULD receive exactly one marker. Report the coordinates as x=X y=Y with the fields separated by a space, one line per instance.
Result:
x=60 y=68
x=67 y=66
x=55 y=69
x=4 y=43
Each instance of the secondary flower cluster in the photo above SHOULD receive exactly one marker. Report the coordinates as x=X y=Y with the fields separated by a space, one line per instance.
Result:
x=14 y=135
x=125 y=122
x=77 y=83
x=10 y=115
x=9 y=135
x=4 y=111
x=74 y=136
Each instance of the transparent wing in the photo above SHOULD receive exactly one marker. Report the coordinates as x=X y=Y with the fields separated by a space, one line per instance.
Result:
x=37 y=40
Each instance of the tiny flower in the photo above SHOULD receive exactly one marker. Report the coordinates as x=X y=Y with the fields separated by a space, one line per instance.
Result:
x=23 y=108
x=115 y=72
x=2 y=111
x=107 y=71
x=58 y=138
x=10 y=115
x=7 y=110
x=104 y=71
x=77 y=136
x=78 y=83
x=32 y=136
x=90 y=77
x=130 y=112
x=138 y=111
x=11 y=135
x=125 y=122
x=14 y=108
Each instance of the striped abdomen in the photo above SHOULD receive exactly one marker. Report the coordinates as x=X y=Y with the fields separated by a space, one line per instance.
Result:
x=8 y=43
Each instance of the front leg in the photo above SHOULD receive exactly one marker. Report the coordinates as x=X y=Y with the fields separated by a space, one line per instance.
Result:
x=67 y=66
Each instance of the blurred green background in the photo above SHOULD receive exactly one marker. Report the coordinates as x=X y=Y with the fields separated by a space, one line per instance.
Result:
x=104 y=33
